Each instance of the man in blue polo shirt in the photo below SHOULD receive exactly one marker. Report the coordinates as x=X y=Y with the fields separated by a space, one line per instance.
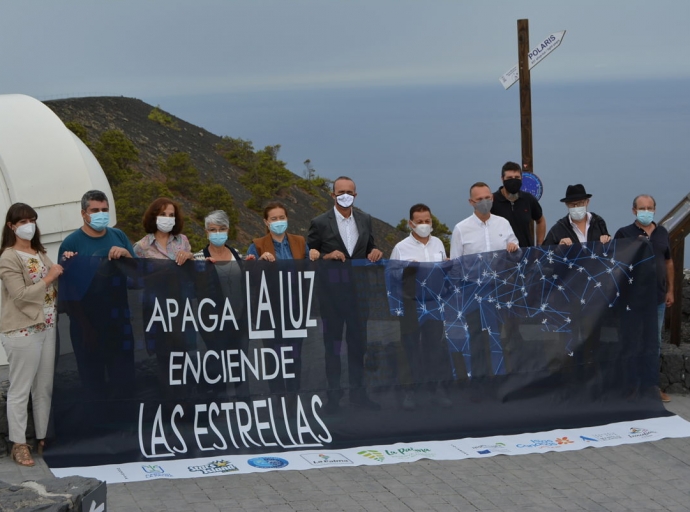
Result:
x=93 y=293
x=644 y=226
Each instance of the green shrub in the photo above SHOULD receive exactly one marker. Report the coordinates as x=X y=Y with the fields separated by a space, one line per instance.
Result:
x=132 y=197
x=79 y=130
x=115 y=152
x=160 y=117
x=180 y=175
x=265 y=176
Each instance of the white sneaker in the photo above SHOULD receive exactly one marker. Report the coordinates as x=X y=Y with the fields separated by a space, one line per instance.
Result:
x=409 y=403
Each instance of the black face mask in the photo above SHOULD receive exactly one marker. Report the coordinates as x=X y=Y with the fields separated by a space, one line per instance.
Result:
x=513 y=185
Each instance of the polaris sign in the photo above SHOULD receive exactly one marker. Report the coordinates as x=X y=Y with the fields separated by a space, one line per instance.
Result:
x=536 y=55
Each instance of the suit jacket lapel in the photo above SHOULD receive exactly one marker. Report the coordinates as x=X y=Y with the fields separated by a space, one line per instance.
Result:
x=362 y=236
x=333 y=221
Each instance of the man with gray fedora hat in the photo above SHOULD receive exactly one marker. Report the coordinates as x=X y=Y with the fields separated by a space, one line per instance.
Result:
x=580 y=225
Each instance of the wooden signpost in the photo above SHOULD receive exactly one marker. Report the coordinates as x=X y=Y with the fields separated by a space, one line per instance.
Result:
x=527 y=59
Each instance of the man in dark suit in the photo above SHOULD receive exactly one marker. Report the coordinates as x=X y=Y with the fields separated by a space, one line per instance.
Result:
x=342 y=234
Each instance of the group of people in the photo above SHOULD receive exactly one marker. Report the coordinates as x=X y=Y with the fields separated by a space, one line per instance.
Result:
x=500 y=220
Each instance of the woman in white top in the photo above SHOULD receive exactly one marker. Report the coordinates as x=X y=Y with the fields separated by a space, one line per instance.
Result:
x=27 y=326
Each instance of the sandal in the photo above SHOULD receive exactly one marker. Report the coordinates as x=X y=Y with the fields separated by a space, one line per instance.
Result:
x=40 y=446
x=21 y=454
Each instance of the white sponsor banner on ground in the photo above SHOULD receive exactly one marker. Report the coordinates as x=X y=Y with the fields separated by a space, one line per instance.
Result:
x=613 y=434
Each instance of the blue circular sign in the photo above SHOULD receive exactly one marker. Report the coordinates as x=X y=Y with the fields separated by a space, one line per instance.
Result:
x=532 y=184
x=268 y=462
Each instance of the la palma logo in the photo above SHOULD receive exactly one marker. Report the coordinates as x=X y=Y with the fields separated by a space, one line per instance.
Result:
x=326 y=459
x=215 y=467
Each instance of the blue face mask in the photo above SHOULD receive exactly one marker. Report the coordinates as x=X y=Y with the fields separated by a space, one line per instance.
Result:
x=278 y=227
x=644 y=217
x=99 y=220
x=218 y=239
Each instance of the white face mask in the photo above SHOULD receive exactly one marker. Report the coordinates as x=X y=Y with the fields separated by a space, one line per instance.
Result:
x=422 y=230
x=165 y=224
x=345 y=200
x=26 y=231
x=577 y=213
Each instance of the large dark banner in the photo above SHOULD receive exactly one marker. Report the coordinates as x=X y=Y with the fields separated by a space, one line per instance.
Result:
x=160 y=362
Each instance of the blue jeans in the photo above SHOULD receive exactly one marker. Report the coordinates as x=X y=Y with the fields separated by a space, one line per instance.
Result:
x=661 y=309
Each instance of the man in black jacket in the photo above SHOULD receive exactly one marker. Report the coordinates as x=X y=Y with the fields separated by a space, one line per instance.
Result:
x=342 y=234
x=644 y=227
x=580 y=225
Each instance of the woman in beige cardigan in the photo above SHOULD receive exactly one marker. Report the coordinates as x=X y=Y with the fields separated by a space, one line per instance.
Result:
x=27 y=326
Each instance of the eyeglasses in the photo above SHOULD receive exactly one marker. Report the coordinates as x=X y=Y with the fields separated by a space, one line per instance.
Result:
x=578 y=204
x=217 y=230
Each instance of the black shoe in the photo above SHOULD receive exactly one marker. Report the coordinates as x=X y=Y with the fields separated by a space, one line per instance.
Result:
x=365 y=403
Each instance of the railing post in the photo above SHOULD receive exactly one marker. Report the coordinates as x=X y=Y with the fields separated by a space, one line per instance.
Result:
x=675 y=317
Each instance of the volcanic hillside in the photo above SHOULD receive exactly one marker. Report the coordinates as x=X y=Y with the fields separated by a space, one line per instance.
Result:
x=147 y=152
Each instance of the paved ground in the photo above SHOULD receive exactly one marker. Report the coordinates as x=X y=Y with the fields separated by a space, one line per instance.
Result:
x=647 y=476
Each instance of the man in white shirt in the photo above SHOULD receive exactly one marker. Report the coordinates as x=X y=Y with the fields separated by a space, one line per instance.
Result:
x=422 y=335
x=483 y=232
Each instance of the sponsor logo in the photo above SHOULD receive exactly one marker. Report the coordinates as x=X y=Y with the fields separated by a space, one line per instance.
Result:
x=372 y=454
x=607 y=436
x=119 y=470
x=588 y=439
x=483 y=449
x=155 y=471
x=409 y=453
x=563 y=441
x=268 y=462
x=327 y=459
x=217 y=466
x=640 y=432
x=401 y=453
x=539 y=443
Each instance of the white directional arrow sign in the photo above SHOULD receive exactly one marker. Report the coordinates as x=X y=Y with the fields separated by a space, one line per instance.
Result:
x=99 y=508
x=536 y=55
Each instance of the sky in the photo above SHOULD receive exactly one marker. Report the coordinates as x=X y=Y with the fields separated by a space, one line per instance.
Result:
x=403 y=96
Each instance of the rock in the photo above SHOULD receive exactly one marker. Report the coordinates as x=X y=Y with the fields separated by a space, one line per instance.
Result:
x=673 y=366
x=663 y=381
x=677 y=389
x=48 y=495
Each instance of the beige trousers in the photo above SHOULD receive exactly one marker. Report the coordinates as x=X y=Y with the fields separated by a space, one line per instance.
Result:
x=32 y=364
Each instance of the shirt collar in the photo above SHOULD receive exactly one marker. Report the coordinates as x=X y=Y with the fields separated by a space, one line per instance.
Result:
x=152 y=238
x=480 y=221
x=341 y=217
x=589 y=218
x=418 y=242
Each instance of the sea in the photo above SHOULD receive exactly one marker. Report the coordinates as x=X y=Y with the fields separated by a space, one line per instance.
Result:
x=408 y=144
